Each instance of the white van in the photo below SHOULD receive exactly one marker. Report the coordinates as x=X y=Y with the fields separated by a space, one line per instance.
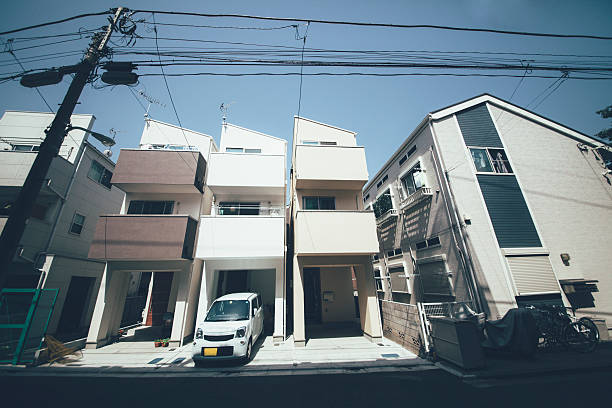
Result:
x=232 y=325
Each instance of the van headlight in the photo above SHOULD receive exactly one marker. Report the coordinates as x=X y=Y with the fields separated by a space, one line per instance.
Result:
x=199 y=334
x=241 y=332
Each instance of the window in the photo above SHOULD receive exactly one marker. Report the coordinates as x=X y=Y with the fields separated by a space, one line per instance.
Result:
x=310 y=142
x=100 y=174
x=382 y=204
x=407 y=155
x=26 y=148
x=77 y=224
x=413 y=180
x=238 y=208
x=380 y=183
x=319 y=203
x=428 y=243
x=252 y=150
x=375 y=258
x=366 y=197
x=234 y=149
x=394 y=252
x=378 y=280
x=316 y=142
x=490 y=160
x=328 y=143
x=435 y=241
x=150 y=207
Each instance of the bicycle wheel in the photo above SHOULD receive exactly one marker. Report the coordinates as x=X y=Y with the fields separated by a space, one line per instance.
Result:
x=591 y=325
x=580 y=337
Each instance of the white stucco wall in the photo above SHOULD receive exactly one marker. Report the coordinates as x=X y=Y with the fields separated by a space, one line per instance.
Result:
x=156 y=132
x=239 y=137
x=307 y=129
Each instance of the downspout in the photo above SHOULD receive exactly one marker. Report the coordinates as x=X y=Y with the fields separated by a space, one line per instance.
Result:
x=464 y=252
x=60 y=211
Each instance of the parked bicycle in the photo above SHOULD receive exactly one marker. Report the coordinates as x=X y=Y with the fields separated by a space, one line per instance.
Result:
x=558 y=328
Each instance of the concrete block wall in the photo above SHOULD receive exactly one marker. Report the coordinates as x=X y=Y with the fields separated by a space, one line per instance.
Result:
x=401 y=324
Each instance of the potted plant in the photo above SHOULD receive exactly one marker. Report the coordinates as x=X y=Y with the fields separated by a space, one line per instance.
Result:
x=165 y=342
x=158 y=343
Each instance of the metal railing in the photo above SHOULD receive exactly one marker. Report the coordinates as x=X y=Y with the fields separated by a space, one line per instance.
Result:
x=249 y=210
x=438 y=309
x=420 y=194
x=391 y=212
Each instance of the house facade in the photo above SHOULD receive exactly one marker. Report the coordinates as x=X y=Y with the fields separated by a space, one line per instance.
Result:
x=148 y=246
x=490 y=203
x=242 y=240
x=333 y=236
x=53 y=250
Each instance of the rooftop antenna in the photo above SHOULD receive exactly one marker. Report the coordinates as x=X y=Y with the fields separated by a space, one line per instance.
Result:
x=151 y=101
x=224 y=108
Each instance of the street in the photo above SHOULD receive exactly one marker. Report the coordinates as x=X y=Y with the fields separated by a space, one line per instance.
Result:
x=425 y=388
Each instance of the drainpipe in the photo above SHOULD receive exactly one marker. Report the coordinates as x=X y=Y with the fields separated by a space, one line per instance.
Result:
x=464 y=252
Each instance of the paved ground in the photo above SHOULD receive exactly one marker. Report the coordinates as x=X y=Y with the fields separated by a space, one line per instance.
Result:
x=342 y=353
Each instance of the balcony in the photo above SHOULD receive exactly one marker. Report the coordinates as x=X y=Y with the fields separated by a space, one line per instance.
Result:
x=143 y=237
x=242 y=236
x=159 y=171
x=388 y=215
x=336 y=232
x=330 y=167
x=421 y=194
x=247 y=174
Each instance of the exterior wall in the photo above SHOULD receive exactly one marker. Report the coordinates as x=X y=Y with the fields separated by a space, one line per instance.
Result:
x=570 y=200
x=415 y=222
x=88 y=198
x=238 y=137
x=492 y=277
x=339 y=283
x=184 y=204
x=346 y=200
x=161 y=133
x=401 y=324
x=307 y=129
x=28 y=128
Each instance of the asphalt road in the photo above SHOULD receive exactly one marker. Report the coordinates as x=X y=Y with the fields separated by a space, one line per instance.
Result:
x=433 y=388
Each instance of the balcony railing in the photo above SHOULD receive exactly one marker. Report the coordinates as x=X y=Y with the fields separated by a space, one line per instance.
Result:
x=144 y=237
x=335 y=232
x=248 y=210
x=242 y=173
x=421 y=194
x=159 y=171
x=246 y=237
x=390 y=213
x=330 y=167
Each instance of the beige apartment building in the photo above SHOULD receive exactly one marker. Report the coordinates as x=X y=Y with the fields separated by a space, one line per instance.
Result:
x=333 y=236
x=490 y=203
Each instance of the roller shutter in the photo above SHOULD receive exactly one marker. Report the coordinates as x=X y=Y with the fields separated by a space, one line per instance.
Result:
x=532 y=274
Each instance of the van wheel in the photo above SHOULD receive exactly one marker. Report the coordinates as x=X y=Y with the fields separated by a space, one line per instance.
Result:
x=247 y=356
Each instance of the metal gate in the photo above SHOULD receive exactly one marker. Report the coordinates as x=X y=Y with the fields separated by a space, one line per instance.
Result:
x=24 y=317
x=446 y=309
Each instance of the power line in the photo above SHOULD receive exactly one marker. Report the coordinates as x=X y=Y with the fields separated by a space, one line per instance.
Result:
x=101 y=13
x=331 y=22
x=386 y=25
x=224 y=27
x=172 y=100
x=301 y=75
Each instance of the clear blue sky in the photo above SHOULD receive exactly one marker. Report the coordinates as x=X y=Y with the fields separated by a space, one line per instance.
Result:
x=383 y=111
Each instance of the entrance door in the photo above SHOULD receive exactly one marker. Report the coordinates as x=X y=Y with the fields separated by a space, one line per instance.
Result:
x=162 y=284
x=312 y=295
x=75 y=304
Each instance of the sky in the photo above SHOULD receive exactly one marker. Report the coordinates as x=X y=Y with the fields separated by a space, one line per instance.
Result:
x=382 y=110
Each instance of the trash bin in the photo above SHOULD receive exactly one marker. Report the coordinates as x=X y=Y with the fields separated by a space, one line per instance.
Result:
x=457 y=341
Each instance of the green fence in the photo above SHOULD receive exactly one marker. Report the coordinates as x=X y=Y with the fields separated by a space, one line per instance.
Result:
x=24 y=317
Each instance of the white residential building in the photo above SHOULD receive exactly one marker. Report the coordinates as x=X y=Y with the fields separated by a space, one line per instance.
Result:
x=488 y=202
x=53 y=250
x=241 y=241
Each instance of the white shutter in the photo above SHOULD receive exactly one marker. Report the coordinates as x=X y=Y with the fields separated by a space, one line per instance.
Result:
x=533 y=274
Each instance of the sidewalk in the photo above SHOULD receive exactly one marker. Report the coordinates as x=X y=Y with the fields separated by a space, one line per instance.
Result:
x=336 y=355
x=544 y=362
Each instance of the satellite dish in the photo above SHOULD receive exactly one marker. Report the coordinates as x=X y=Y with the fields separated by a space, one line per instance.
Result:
x=108 y=152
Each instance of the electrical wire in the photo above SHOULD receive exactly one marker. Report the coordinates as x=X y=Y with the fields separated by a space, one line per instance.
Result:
x=79 y=16
x=301 y=76
x=385 y=25
x=172 y=102
x=222 y=27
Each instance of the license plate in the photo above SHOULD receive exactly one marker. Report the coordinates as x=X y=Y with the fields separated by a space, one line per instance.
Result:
x=210 y=351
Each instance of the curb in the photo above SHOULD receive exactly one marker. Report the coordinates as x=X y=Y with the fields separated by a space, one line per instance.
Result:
x=270 y=370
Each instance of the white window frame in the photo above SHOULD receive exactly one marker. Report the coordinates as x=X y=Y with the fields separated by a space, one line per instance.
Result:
x=490 y=158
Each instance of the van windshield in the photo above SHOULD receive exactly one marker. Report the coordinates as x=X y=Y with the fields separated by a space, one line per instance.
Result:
x=228 y=310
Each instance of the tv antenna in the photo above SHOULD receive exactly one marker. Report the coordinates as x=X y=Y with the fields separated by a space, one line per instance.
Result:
x=224 y=108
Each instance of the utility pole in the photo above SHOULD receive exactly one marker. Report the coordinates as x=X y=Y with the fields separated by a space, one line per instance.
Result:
x=49 y=148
